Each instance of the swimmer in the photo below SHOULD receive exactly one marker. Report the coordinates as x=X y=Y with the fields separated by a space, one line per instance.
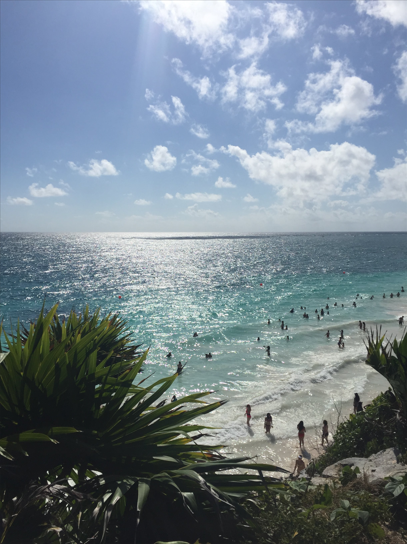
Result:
x=372 y=297
x=286 y=328
x=327 y=312
x=342 y=333
x=268 y=322
x=402 y=289
x=258 y=339
x=208 y=355
x=318 y=317
x=301 y=308
x=336 y=304
x=342 y=306
x=169 y=354
x=354 y=304
x=292 y=311
x=248 y=414
x=327 y=307
x=391 y=295
x=322 y=311
x=174 y=398
x=268 y=423
x=401 y=320
x=268 y=350
x=288 y=337
x=179 y=368
x=195 y=334
x=327 y=334
x=384 y=295
x=316 y=311
x=282 y=325
x=398 y=294
x=341 y=345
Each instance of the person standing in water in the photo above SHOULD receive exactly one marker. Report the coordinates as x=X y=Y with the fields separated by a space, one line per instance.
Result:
x=268 y=423
x=301 y=432
x=327 y=334
x=179 y=368
x=248 y=414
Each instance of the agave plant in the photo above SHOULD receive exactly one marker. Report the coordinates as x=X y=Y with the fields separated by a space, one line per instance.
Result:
x=390 y=360
x=90 y=455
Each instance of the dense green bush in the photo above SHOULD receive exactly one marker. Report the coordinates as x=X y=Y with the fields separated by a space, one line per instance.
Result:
x=343 y=515
x=365 y=433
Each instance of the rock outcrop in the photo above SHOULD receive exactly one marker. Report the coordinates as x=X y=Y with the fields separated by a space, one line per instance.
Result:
x=377 y=467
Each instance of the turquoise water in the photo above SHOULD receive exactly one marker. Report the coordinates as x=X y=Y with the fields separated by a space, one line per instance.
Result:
x=173 y=285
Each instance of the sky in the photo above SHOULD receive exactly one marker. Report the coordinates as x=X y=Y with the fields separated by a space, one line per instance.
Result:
x=203 y=116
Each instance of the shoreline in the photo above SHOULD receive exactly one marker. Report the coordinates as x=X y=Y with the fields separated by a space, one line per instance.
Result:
x=283 y=451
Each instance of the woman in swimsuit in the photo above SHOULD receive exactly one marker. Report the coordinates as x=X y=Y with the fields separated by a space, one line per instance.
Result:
x=356 y=401
x=301 y=432
x=268 y=423
x=248 y=413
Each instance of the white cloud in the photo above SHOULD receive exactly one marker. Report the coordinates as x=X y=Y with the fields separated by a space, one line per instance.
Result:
x=31 y=172
x=400 y=69
x=194 y=211
x=224 y=183
x=202 y=86
x=160 y=159
x=200 y=22
x=48 y=190
x=162 y=111
x=142 y=202
x=199 y=131
x=200 y=197
x=250 y=198
x=316 y=52
x=19 y=201
x=168 y=196
x=252 y=89
x=344 y=31
x=337 y=98
x=149 y=95
x=394 y=12
x=205 y=165
x=60 y=204
x=393 y=182
x=61 y=182
x=269 y=129
x=286 y=20
x=210 y=149
x=305 y=176
x=106 y=214
x=95 y=169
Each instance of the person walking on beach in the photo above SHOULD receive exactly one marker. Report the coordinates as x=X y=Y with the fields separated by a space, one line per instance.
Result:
x=299 y=465
x=301 y=432
x=248 y=414
x=268 y=423
x=356 y=401
x=325 y=432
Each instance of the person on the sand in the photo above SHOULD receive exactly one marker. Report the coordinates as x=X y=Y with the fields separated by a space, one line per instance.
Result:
x=299 y=465
x=301 y=432
x=268 y=422
x=325 y=432
x=356 y=401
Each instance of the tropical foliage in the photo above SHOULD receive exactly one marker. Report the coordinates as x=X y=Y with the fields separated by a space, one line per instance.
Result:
x=88 y=455
x=390 y=359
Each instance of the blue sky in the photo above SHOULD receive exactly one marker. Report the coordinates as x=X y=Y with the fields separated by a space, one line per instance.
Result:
x=161 y=116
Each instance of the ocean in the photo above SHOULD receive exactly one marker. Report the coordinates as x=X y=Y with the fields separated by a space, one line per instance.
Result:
x=226 y=288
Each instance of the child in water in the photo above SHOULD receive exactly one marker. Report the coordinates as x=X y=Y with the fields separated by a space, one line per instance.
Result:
x=268 y=422
x=248 y=413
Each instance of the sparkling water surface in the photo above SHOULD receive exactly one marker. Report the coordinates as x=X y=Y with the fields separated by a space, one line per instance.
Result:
x=173 y=285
